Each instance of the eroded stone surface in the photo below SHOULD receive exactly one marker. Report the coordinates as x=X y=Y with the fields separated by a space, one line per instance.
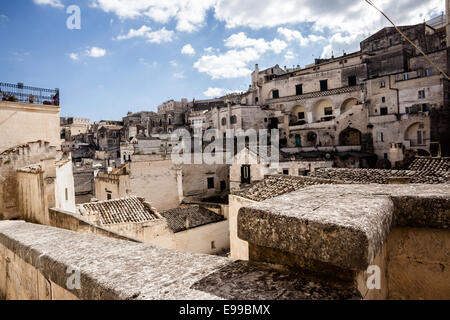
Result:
x=343 y=225
x=117 y=269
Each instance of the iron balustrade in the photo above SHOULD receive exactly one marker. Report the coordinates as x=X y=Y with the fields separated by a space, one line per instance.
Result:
x=25 y=94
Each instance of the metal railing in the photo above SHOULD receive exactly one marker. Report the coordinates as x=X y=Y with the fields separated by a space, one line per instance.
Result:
x=318 y=94
x=25 y=94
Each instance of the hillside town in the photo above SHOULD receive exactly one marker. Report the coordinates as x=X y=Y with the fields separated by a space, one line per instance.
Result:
x=361 y=179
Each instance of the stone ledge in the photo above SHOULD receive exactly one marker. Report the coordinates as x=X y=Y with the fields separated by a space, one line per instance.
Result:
x=117 y=269
x=342 y=225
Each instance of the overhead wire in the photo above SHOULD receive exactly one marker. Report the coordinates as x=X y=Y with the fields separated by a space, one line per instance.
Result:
x=411 y=42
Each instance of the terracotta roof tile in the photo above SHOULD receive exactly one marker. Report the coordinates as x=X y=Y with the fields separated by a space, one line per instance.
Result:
x=196 y=216
x=124 y=210
x=277 y=185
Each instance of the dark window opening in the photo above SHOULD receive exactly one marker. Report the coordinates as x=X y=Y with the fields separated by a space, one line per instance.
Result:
x=328 y=111
x=299 y=89
x=383 y=99
x=108 y=196
x=245 y=174
x=256 y=100
x=352 y=81
x=384 y=111
x=233 y=120
x=224 y=121
x=213 y=244
x=210 y=183
x=286 y=172
x=275 y=94
x=301 y=115
x=422 y=94
x=323 y=85
x=223 y=185
x=382 y=84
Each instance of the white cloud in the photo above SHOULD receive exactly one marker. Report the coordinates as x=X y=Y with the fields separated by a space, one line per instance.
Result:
x=343 y=15
x=217 y=92
x=74 y=56
x=188 y=49
x=189 y=14
x=144 y=62
x=179 y=75
x=95 y=52
x=234 y=62
x=291 y=35
x=289 y=55
x=327 y=51
x=240 y=40
x=173 y=63
x=52 y=3
x=158 y=36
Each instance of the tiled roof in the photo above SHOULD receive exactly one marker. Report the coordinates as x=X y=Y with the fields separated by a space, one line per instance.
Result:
x=430 y=165
x=277 y=185
x=196 y=216
x=381 y=176
x=124 y=210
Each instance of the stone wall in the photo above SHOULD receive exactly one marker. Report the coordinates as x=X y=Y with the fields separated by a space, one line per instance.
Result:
x=22 y=123
x=199 y=239
x=238 y=247
x=33 y=267
x=339 y=231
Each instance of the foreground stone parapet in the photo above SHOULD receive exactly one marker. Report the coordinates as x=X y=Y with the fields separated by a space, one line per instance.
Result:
x=37 y=261
x=342 y=226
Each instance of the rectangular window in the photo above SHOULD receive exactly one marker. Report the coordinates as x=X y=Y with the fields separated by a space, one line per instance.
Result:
x=352 y=81
x=210 y=183
x=301 y=115
x=383 y=99
x=223 y=185
x=328 y=111
x=422 y=94
x=275 y=94
x=67 y=194
x=383 y=111
x=405 y=77
x=213 y=244
x=380 y=137
x=323 y=85
x=299 y=89
x=256 y=100
x=382 y=84
x=428 y=72
x=108 y=196
x=286 y=172
x=420 y=137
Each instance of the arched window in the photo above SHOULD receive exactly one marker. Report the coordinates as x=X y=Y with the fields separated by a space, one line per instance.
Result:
x=224 y=121
x=233 y=120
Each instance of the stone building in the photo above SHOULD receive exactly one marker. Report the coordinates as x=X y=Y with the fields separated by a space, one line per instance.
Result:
x=71 y=126
x=35 y=174
x=385 y=99
x=197 y=229
x=132 y=217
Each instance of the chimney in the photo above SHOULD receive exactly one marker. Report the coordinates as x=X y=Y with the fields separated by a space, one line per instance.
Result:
x=186 y=222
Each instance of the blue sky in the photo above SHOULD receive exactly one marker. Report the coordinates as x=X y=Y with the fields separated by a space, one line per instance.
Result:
x=132 y=55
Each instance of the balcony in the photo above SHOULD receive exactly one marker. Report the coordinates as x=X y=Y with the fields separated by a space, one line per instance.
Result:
x=317 y=94
x=32 y=95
